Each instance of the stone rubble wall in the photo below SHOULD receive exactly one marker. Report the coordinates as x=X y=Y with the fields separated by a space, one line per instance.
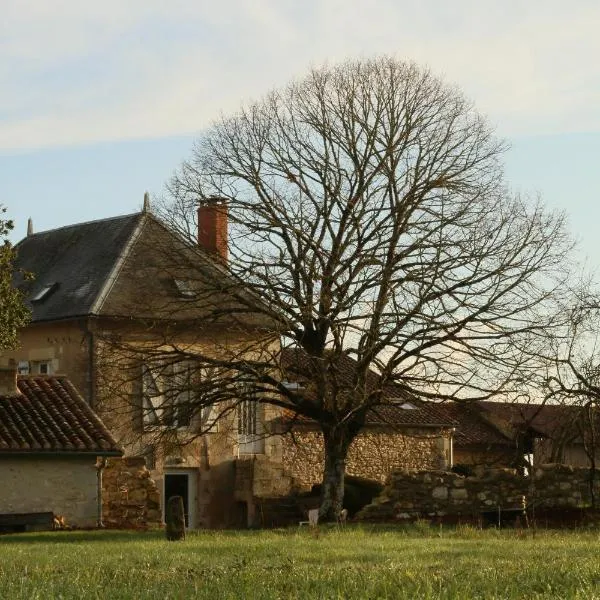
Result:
x=373 y=454
x=414 y=494
x=130 y=498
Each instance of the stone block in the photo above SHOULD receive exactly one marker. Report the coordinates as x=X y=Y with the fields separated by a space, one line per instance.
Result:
x=459 y=494
x=440 y=493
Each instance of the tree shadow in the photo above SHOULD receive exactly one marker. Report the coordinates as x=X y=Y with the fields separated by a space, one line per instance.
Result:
x=74 y=536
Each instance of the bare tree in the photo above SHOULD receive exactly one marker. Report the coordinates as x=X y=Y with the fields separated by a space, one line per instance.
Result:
x=574 y=374
x=368 y=218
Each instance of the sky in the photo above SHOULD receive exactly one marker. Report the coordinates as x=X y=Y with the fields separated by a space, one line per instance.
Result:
x=102 y=101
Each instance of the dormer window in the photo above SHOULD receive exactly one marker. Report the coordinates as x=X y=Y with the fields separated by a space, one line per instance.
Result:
x=184 y=287
x=45 y=292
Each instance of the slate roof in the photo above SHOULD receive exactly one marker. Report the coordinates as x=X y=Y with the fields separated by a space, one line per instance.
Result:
x=48 y=416
x=78 y=259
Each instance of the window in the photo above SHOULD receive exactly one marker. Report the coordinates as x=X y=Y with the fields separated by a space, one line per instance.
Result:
x=44 y=292
x=247 y=418
x=250 y=427
x=41 y=367
x=44 y=368
x=184 y=287
x=167 y=395
x=23 y=367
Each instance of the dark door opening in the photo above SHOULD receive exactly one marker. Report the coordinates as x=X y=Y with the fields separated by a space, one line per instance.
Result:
x=178 y=485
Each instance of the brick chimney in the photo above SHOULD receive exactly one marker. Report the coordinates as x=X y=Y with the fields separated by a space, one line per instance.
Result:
x=212 y=226
x=8 y=381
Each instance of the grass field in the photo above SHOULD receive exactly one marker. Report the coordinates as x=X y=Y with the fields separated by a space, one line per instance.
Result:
x=416 y=562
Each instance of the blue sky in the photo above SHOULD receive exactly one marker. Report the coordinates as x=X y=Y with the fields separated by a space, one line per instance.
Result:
x=101 y=101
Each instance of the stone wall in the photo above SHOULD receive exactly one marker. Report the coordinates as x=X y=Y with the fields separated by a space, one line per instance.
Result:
x=412 y=494
x=130 y=498
x=372 y=455
x=66 y=486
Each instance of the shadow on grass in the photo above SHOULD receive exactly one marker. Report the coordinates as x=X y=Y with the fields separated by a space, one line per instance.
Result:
x=70 y=536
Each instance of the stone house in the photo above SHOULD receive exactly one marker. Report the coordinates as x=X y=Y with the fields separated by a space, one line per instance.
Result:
x=518 y=435
x=103 y=296
x=546 y=433
x=402 y=432
x=49 y=443
x=103 y=288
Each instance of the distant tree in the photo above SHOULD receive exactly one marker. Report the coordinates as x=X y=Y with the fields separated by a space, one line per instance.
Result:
x=13 y=313
x=573 y=377
x=368 y=218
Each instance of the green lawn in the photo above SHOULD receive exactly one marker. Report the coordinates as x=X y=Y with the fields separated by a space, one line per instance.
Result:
x=416 y=562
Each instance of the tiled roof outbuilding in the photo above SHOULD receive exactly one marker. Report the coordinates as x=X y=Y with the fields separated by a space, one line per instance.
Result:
x=48 y=416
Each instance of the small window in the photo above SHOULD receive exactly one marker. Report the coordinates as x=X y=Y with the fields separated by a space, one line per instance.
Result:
x=184 y=287
x=23 y=367
x=44 y=292
x=41 y=367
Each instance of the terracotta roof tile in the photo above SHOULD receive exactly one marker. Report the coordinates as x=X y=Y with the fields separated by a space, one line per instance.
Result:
x=49 y=416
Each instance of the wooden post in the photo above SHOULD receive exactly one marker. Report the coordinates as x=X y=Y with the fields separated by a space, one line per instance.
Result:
x=175 y=519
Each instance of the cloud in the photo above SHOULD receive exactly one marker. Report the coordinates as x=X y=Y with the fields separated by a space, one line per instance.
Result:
x=74 y=72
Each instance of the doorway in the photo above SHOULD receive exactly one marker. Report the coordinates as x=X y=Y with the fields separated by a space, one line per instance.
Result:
x=181 y=484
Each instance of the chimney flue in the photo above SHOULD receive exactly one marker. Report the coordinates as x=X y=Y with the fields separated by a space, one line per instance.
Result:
x=29 y=227
x=212 y=226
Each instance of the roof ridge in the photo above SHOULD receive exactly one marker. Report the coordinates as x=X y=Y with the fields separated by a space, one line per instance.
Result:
x=112 y=276
x=90 y=222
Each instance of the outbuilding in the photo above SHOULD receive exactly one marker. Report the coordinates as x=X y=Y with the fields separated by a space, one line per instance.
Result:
x=52 y=447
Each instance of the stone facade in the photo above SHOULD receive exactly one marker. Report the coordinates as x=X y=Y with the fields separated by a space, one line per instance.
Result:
x=414 y=494
x=66 y=486
x=130 y=498
x=373 y=454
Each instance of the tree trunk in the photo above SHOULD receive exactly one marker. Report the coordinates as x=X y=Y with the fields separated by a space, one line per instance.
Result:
x=336 y=444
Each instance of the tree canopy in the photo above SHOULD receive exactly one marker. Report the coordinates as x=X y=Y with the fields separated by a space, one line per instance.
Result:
x=13 y=313
x=369 y=218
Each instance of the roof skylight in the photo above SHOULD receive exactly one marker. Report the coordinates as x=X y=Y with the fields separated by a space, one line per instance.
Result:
x=184 y=287
x=44 y=292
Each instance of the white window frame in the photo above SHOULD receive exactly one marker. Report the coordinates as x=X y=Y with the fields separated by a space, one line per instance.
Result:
x=41 y=367
x=250 y=427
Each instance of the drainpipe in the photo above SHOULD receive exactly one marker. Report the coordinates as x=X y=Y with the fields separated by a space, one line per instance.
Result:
x=100 y=465
x=91 y=369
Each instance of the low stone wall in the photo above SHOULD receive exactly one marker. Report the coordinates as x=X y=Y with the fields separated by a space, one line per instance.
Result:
x=412 y=494
x=130 y=498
